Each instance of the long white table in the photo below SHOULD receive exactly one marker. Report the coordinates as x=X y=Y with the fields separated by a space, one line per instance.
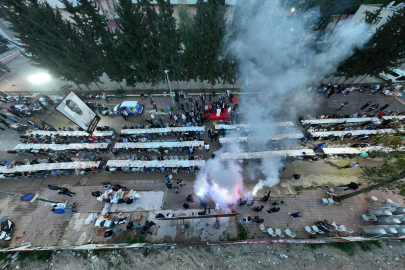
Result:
x=353 y=132
x=70 y=133
x=273 y=138
x=72 y=146
x=50 y=166
x=339 y=120
x=280 y=124
x=155 y=163
x=264 y=154
x=351 y=150
x=158 y=144
x=160 y=130
x=394 y=117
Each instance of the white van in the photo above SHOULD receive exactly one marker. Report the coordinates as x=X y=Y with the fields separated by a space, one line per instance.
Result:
x=394 y=75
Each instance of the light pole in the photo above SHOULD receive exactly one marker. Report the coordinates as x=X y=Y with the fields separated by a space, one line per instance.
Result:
x=167 y=76
x=41 y=78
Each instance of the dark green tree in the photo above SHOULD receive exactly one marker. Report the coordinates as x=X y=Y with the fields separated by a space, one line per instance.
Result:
x=382 y=52
x=207 y=37
x=168 y=38
x=93 y=38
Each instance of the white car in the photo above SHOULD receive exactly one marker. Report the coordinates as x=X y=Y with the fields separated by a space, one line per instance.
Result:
x=394 y=75
x=132 y=107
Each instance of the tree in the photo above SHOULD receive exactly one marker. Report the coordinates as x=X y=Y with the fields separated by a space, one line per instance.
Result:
x=382 y=52
x=168 y=38
x=185 y=27
x=92 y=39
x=44 y=32
x=206 y=39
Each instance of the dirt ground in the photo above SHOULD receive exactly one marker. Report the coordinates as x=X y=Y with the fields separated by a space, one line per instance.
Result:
x=376 y=255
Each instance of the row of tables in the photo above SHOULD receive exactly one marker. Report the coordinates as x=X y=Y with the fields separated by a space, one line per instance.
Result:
x=273 y=137
x=49 y=166
x=280 y=124
x=339 y=120
x=349 y=120
x=158 y=144
x=59 y=147
x=353 y=132
x=71 y=133
x=352 y=150
x=155 y=163
x=265 y=154
x=161 y=130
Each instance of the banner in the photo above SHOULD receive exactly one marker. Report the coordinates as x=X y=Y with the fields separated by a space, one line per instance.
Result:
x=78 y=112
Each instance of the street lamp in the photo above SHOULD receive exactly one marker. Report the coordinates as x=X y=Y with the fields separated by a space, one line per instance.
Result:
x=167 y=75
x=41 y=78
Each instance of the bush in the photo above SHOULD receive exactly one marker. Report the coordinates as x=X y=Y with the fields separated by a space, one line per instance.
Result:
x=365 y=246
x=345 y=247
x=243 y=232
x=35 y=255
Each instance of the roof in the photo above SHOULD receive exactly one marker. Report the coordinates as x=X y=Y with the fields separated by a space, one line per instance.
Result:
x=129 y=103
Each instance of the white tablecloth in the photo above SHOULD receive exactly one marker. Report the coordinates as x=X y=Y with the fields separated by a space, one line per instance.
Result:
x=353 y=132
x=160 y=130
x=264 y=154
x=155 y=163
x=339 y=120
x=346 y=150
x=158 y=144
x=72 y=146
x=50 y=166
x=71 y=133
x=394 y=117
x=273 y=137
x=280 y=124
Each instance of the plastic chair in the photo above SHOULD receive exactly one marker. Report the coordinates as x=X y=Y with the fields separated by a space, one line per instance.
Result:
x=315 y=228
x=342 y=228
x=279 y=233
x=369 y=217
x=289 y=233
x=308 y=229
x=271 y=232
x=262 y=228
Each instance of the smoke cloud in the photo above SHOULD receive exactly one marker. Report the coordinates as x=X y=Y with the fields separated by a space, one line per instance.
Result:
x=277 y=55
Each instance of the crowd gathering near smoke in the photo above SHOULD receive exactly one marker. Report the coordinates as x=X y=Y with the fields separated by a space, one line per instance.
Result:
x=277 y=56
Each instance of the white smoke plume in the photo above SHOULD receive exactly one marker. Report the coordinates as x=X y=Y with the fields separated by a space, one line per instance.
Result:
x=277 y=56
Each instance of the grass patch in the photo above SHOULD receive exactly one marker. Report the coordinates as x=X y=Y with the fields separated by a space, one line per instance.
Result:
x=101 y=252
x=141 y=239
x=243 y=232
x=298 y=189
x=35 y=256
x=312 y=236
x=365 y=246
x=3 y=256
x=146 y=252
x=133 y=240
x=314 y=246
x=376 y=243
x=345 y=247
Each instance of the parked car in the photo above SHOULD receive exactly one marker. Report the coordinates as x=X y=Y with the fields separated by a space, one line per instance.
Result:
x=394 y=75
x=132 y=107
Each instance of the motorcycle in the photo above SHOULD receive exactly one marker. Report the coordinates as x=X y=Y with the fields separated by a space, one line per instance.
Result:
x=7 y=227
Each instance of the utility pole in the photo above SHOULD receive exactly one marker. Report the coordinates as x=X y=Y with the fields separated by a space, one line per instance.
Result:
x=167 y=76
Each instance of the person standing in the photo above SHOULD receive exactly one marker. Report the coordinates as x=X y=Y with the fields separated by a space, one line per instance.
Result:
x=142 y=96
x=365 y=105
x=383 y=107
x=295 y=215
x=352 y=185
x=343 y=105
x=153 y=117
x=105 y=97
x=186 y=102
x=295 y=177
x=266 y=197
x=207 y=147
x=160 y=120
x=124 y=114
x=155 y=107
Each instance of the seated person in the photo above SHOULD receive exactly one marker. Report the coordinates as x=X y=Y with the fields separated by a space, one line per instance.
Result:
x=258 y=208
x=94 y=169
x=169 y=184
x=176 y=190
x=180 y=182
x=274 y=209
